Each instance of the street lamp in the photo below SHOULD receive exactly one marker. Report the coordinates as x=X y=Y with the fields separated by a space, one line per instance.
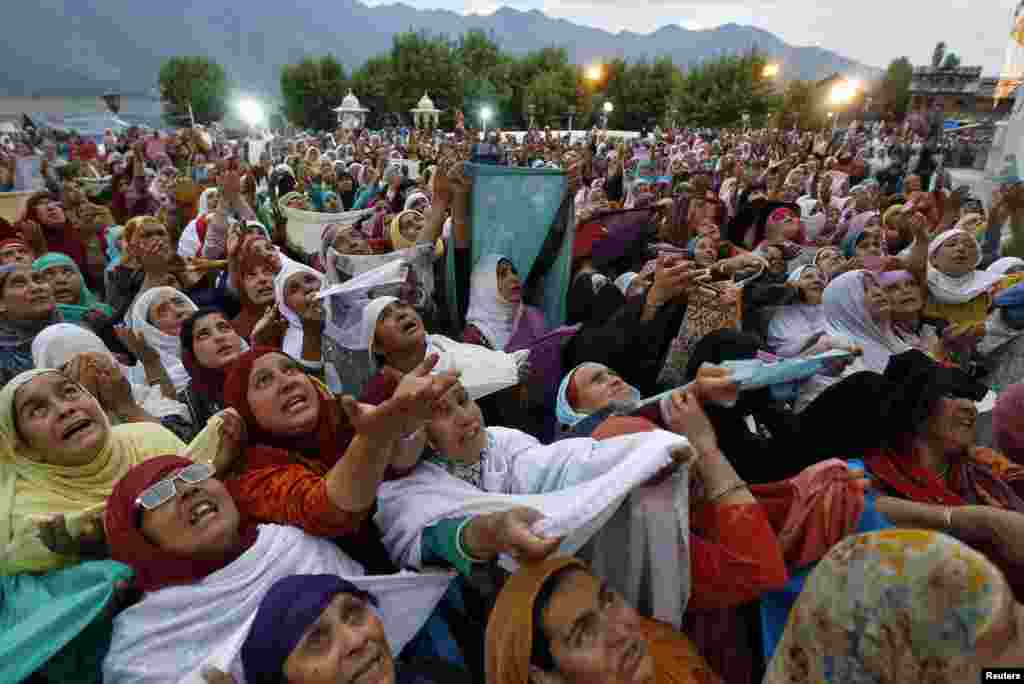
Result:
x=485 y=115
x=672 y=113
x=608 y=109
x=532 y=108
x=572 y=113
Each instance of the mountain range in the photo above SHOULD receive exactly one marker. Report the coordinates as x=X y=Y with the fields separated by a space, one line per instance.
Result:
x=86 y=46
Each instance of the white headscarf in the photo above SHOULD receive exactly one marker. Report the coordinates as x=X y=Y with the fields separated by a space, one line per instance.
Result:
x=413 y=197
x=846 y=316
x=167 y=346
x=204 y=201
x=58 y=344
x=292 y=345
x=949 y=289
x=483 y=371
x=1001 y=266
x=488 y=312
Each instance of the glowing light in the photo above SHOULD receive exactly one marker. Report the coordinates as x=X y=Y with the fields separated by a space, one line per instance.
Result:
x=771 y=70
x=485 y=113
x=609 y=108
x=251 y=111
x=595 y=73
x=844 y=91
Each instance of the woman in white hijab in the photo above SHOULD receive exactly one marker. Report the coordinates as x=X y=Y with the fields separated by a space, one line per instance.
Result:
x=856 y=310
x=191 y=243
x=957 y=291
x=59 y=344
x=496 y=308
x=793 y=328
x=157 y=315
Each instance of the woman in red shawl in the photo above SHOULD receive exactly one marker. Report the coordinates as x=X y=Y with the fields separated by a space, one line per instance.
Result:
x=47 y=212
x=253 y=268
x=931 y=457
x=315 y=462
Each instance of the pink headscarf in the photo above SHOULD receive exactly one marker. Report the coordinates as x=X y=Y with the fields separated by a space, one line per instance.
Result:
x=1008 y=422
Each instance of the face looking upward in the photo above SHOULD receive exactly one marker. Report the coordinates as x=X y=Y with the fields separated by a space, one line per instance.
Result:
x=26 y=296
x=346 y=644
x=214 y=342
x=457 y=430
x=594 y=635
x=282 y=397
x=510 y=288
x=597 y=386
x=167 y=313
x=201 y=520
x=65 y=282
x=60 y=420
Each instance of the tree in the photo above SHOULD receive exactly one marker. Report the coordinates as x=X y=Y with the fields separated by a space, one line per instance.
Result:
x=719 y=92
x=552 y=92
x=952 y=61
x=194 y=81
x=420 y=62
x=311 y=90
x=939 y=54
x=895 y=88
x=802 y=106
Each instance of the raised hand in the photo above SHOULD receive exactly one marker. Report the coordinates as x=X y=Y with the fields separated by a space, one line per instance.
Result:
x=135 y=343
x=54 y=534
x=271 y=327
x=409 y=408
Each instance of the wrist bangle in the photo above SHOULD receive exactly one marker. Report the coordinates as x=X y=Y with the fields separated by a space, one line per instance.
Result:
x=728 y=490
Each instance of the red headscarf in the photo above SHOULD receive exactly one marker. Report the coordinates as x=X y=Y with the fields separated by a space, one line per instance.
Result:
x=63 y=238
x=154 y=567
x=324 y=445
x=247 y=260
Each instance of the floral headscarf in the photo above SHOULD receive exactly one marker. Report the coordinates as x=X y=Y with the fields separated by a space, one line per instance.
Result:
x=891 y=606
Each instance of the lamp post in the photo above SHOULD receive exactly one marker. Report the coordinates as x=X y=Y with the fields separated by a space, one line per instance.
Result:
x=485 y=115
x=532 y=108
x=673 y=112
x=608 y=109
x=572 y=114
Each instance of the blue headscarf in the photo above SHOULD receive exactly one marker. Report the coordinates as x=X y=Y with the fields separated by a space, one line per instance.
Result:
x=568 y=416
x=856 y=231
x=114 y=254
x=286 y=612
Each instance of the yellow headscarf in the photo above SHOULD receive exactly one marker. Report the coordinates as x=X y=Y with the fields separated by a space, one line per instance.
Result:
x=509 y=637
x=399 y=241
x=29 y=487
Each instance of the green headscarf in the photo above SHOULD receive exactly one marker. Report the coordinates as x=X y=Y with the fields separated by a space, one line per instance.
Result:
x=87 y=301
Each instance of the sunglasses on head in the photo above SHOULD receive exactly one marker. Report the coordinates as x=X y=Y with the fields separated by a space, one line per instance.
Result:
x=158 y=494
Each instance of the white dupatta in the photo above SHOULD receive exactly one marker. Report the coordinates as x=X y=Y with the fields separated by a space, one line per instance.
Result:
x=649 y=557
x=173 y=633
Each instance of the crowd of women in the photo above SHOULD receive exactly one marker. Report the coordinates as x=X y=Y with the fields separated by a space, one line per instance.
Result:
x=777 y=436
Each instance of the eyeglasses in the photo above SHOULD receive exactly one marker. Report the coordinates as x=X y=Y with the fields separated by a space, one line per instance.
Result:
x=163 y=491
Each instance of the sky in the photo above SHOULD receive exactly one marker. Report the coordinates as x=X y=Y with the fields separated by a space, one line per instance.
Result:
x=870 y=31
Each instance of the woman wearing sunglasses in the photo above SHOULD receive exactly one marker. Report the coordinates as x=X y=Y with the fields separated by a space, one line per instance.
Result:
x=59 y=461
x=205 y=568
